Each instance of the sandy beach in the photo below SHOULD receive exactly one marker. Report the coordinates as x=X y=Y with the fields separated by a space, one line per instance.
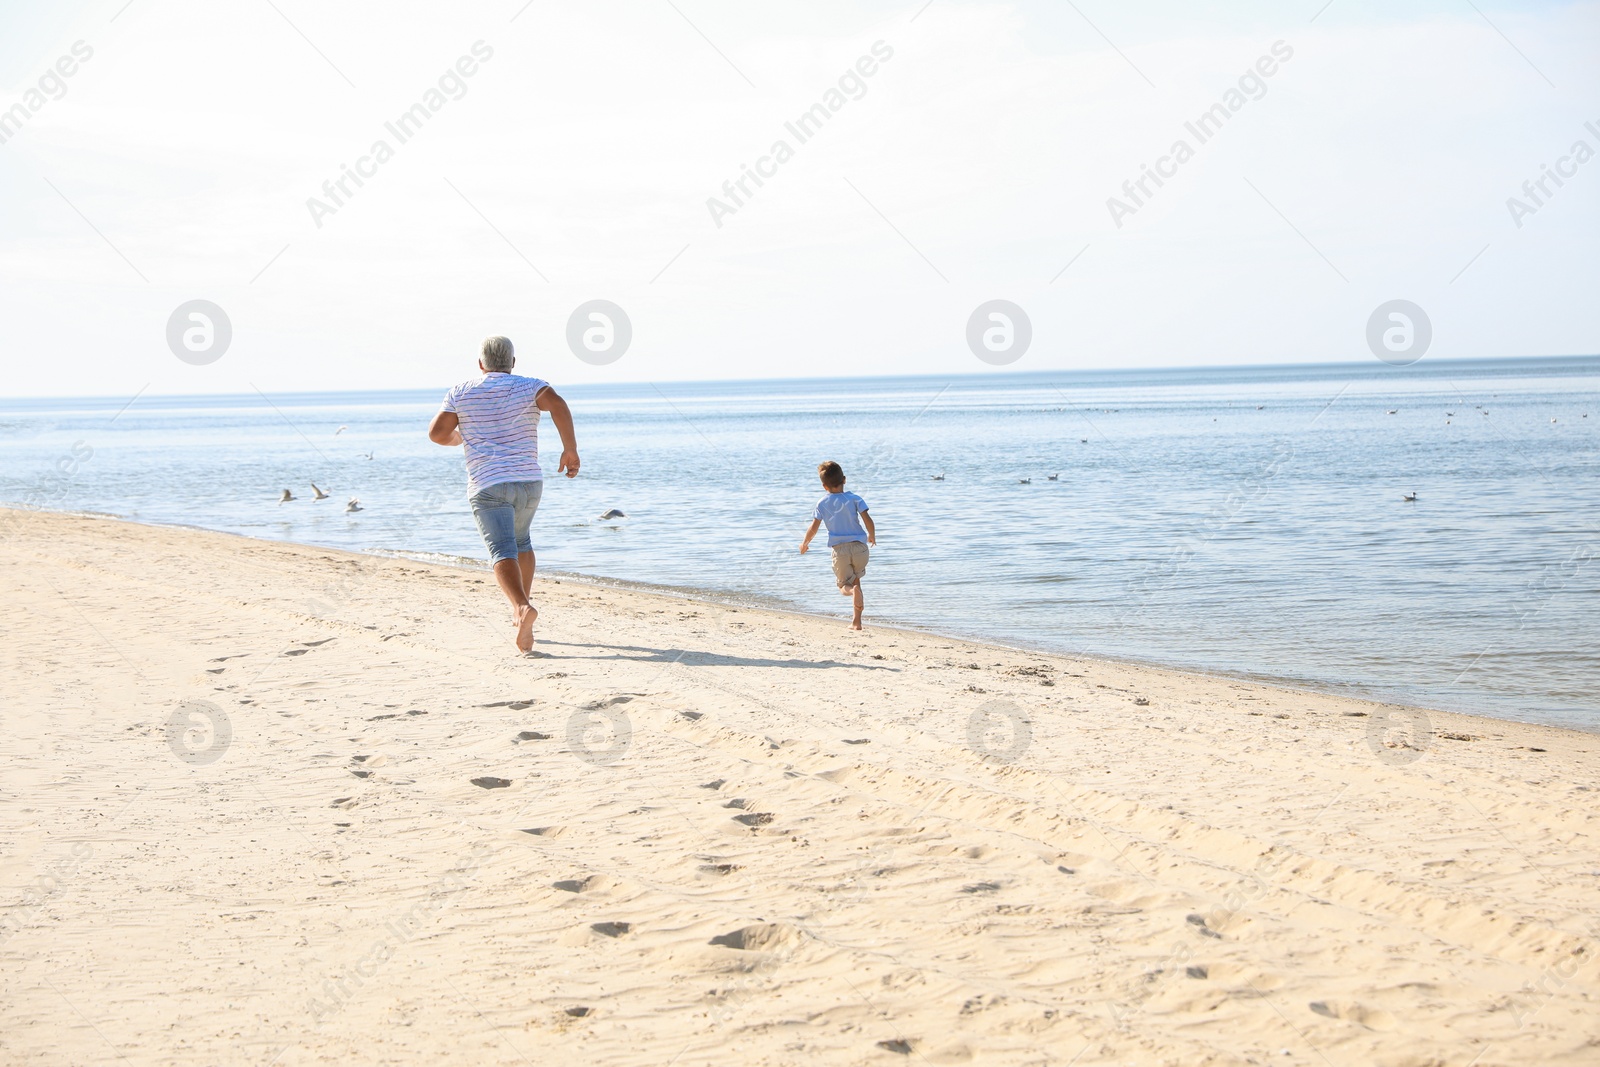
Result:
x=274 y=804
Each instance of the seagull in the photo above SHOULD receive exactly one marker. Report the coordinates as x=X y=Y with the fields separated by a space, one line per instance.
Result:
x=354 y=505
x=340 y=430
x=612 y=513
x=1410 y=498
x=1083 y=440
x=286 y=497
x=1552 y=420
x=939 y=477
x=364 y=455
x=320 y=494
x=1396 y=411
x=1025 y=481
x=1053 y=478
x=1451 y=414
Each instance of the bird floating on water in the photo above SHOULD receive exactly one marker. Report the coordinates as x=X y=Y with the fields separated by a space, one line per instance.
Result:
x=1025 y=481
x=365 y=455
x=1410 y=498
x=612 y=513
x=286 y=497
x=939 y=477
x=1053 y=478
x=354 y=505
x=320 y=494
x=1396 y=411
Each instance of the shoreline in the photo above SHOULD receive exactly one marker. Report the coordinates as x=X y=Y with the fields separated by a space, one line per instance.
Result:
x=1355 y=691
x=275 y=803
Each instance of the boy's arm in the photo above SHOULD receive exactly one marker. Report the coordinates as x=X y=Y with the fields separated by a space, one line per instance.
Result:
x=811 y=531
x=872 y=531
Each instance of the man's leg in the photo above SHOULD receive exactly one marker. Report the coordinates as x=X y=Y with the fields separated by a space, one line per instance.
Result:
x=525 y=563
x=508 y=575
x=496 y=520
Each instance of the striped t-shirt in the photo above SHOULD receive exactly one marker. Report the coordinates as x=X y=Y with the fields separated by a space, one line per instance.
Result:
x=499 y=428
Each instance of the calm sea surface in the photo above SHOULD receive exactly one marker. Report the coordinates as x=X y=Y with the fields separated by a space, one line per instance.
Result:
x=1244 y=520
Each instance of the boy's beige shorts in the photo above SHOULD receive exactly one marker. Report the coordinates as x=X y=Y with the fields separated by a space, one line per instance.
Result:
x=849 y=562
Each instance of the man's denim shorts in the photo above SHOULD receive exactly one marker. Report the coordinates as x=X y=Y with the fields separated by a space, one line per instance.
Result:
x=504 y=512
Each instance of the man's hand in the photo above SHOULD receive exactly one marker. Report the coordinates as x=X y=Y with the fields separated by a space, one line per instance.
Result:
x=569 y=463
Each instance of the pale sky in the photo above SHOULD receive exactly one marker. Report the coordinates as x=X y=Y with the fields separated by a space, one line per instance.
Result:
x=975 y=163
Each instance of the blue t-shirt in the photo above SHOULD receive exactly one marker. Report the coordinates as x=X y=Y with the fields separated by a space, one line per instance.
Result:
x=841 y=514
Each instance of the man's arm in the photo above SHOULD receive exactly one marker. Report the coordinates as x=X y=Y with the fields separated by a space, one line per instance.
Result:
x=445 y=429
x=811 y=531
x=872 y=531
x=550 y=400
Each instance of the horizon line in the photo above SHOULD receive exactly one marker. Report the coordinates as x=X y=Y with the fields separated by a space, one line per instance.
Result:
x=1377 y=367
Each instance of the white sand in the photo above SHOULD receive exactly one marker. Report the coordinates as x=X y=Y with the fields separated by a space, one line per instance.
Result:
x=799 y=855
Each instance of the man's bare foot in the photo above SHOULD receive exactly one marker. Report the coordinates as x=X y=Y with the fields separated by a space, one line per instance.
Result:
x=524 y=616
x=856 y=625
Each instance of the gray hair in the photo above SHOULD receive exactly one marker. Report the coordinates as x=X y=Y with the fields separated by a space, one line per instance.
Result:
x=498 y=354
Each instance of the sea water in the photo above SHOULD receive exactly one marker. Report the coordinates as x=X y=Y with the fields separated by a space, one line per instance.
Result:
x=1235 y=520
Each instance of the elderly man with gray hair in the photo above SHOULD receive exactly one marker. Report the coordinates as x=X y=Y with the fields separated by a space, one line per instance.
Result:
x=496 y=418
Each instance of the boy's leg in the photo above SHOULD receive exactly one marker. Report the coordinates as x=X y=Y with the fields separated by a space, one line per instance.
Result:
x=855 y=622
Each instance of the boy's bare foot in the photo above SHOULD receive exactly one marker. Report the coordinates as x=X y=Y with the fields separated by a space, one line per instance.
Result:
x=856 y=625
x=525 y=615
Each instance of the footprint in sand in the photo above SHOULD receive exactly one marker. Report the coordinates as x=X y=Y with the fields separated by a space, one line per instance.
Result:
x=754 y=819
x=1352 y=1012
x=719 y=868
x=591 y=884
x=551 y=832
x=297 y=652
x=762 y=937
x=487 y=782
x=530 y=735
x=514 y=705
x=344 y=802
x=611 y=929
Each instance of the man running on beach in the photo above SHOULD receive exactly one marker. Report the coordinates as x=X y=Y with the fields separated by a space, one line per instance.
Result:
x=497 y=418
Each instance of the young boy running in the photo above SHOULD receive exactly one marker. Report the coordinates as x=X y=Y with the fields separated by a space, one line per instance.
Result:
x=845 y=515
